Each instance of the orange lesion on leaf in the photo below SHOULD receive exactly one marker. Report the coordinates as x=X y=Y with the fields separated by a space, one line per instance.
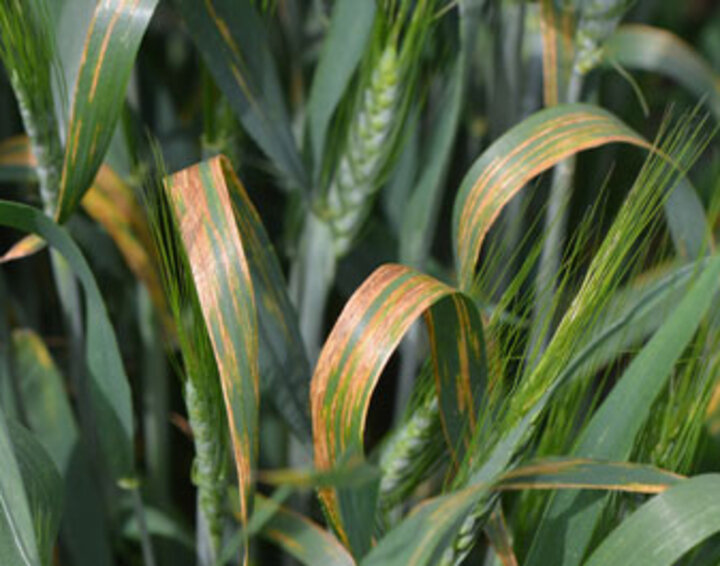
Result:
x=561 y=137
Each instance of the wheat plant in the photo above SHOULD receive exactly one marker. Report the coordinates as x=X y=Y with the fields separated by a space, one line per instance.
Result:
x=359 y=283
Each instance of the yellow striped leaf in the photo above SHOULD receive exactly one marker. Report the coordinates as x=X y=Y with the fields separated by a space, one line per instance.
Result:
x=113 y=39
x=557 y=29
x=533 y=147
x=353 y=357
x=202 y=206
x=585 y=473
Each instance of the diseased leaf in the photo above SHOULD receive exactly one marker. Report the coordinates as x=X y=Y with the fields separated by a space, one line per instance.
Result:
x=530 y=148
x=369 y=329
x=587 y=474
x=114 y=37
x=557 y=30
x=500 y=539
x=202 y=207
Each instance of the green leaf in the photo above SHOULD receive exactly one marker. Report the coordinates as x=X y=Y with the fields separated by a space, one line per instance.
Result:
x=18 y=543
x=367 y=332
x=572 y=517
x=232 y=39
x=343 y=48
x=108 y=386
x=160 y=524
x=300 y=537
x=43 y=397
x=663 y=530
x=647 y=48
x=113 y=40
x=43 y=487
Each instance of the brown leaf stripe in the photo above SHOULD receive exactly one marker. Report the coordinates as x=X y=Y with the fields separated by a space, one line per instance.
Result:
x=203 y=210
x=553 y=136
x=556 y=29
x=114 y=35
x=368 y=330
x=548 y=30
x=577 y=473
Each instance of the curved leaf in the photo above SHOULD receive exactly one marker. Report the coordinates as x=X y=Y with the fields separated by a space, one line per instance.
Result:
x=245 y=306
x=233 y=43
x=532 y=147
x=113 y=39
x=657 y=50
x=369 y=329
x=665 y=528
x=300 y=537
x=108 y=387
